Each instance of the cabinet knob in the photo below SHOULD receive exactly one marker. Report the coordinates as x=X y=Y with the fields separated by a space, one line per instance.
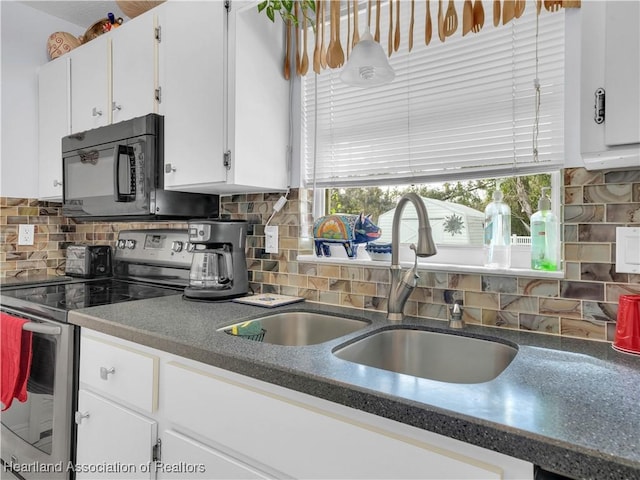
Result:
x=168 y=168
x=57 y=183
x=105 y=372
x=115 y=106
x=95 y=112
x=80 y=415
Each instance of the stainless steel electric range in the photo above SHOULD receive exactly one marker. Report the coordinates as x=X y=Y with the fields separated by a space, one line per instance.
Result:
x=38 y=435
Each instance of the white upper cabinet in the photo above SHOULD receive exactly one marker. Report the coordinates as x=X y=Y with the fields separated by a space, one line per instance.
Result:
x=54 y=122
x=90 y=82
x=191 y=60
x=113 y=77
x=224 y=98
x=610 y=84
x=259 y=96
x=134 y=73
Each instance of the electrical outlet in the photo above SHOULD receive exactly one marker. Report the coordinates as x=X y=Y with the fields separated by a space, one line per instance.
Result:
x=271 y=239
x=26 y=234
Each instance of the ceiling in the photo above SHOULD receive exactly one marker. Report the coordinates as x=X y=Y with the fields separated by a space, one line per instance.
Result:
x=81 y=13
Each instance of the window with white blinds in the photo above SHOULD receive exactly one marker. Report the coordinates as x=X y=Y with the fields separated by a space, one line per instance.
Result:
x=456 y=110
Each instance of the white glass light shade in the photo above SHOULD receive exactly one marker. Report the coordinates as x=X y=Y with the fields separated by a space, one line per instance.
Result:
x=368 y=65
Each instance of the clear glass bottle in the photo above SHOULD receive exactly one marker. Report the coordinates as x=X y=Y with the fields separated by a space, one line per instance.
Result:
x=497 y=233
x=544 y=236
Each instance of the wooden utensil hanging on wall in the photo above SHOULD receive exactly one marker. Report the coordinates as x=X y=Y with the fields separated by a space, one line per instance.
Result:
x=413 y=7
x=428 y=31
x=316 y=51
x=356 y=32
x=396 y=36
x=287 y=61
x=390 y=43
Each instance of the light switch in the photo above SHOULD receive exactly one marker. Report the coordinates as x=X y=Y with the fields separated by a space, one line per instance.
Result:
x=627 y=250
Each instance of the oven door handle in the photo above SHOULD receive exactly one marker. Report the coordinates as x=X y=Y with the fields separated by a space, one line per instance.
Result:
x=40 y=328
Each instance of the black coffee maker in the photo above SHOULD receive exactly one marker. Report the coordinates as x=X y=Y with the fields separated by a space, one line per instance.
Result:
x=219 y=265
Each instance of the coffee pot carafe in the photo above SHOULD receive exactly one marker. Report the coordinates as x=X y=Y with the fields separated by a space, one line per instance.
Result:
x=219 y=266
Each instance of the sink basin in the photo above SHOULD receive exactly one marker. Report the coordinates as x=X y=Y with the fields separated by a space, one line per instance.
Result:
x=299 y=328
x=432 y=355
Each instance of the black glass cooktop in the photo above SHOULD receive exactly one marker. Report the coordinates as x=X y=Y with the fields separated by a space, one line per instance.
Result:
x=90 y=293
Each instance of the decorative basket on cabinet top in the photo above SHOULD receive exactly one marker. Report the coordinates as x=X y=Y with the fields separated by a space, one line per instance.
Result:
x=133 y=8
x=60 y=43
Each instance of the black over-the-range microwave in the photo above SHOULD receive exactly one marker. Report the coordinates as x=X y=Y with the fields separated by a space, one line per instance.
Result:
x=116 y=172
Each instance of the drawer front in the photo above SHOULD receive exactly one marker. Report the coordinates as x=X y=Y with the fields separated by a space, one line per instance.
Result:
x=120 y=373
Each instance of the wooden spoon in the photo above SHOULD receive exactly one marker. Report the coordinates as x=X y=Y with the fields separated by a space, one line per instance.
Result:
x=429 y=28
x=396 y=38
x=440 y=22
x=323 y=49
x=508 y=11
x=467 y=17
x=376 y=37
x=413 y=6
x=296 y=31
x=519 y=8
x=496 y=13
x=390 y=43
x=304 y=65
x=287 y=66
x=348 y=45
x=335 y=54
x=356 y=33
x=316 y=51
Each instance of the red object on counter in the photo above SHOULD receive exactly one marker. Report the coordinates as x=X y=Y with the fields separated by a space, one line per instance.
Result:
x=627 y=337
x=15 y=354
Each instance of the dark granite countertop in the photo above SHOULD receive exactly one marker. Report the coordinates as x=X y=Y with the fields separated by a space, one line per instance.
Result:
x=570 y=406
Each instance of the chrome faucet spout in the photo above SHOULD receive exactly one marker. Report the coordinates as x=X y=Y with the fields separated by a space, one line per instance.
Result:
x=403 y=285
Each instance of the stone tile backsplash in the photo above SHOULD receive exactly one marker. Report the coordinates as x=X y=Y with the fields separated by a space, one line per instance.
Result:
x=583 y=304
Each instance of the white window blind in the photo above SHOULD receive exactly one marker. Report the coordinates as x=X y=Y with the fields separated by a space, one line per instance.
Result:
x=456 y=110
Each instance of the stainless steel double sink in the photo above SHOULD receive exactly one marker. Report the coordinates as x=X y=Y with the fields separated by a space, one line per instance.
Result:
x=404 y=349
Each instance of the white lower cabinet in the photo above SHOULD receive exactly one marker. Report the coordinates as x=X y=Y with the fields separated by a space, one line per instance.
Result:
x=113 y=441
x=184 y=457
x=215 y=424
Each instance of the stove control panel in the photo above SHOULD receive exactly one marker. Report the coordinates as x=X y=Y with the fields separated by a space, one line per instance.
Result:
x=168 y=247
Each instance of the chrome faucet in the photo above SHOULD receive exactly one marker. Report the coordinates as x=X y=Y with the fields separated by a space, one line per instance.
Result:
x=403 y=284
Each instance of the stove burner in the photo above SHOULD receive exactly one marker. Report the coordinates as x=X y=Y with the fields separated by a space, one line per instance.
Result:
x=90 y=293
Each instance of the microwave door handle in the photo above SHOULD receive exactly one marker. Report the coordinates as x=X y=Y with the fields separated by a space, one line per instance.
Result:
x=118 y=152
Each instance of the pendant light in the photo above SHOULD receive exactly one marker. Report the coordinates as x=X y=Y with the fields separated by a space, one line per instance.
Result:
x=368 y=65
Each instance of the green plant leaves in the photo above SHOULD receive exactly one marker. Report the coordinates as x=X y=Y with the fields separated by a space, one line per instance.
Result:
x=286 y=10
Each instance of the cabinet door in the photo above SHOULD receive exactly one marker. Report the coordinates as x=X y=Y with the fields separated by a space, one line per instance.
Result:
x=53 y=124
x=199 y=461
x=90 y=84
x=133 y=63
x=622 y=73
x=259 y=117
x=193 y=102
x=110 y=436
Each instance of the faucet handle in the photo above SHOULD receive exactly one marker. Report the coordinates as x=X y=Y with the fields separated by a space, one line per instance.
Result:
x=415 y=258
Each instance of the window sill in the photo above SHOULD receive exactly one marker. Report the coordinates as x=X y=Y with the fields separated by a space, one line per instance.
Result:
x=449 y=259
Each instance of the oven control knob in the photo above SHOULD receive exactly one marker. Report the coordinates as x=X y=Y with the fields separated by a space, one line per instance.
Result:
x=190 y=247
x=131 y=244
x=121 y=243
x=176 y=246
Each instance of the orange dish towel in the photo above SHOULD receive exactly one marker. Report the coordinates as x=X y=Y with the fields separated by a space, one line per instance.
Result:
x=15 y=354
